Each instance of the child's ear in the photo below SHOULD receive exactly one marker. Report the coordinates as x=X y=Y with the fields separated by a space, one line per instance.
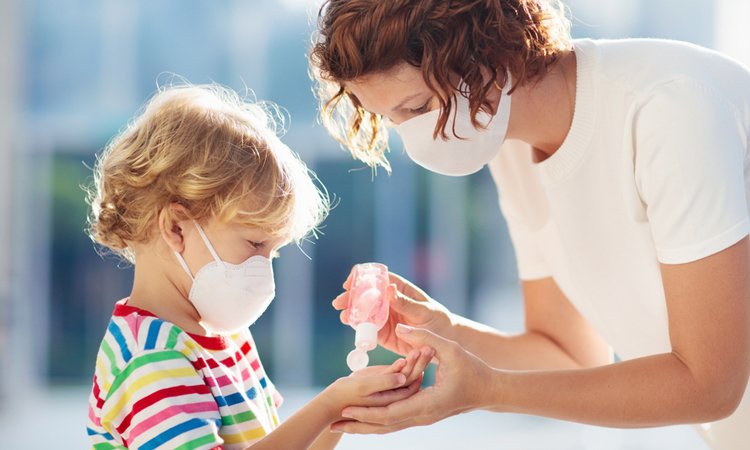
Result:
x=170 y=226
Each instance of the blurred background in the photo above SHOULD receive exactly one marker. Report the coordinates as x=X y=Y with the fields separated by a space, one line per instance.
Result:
x=72 y=72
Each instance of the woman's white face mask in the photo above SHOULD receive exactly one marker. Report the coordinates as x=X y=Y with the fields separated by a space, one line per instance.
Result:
x=462 y=155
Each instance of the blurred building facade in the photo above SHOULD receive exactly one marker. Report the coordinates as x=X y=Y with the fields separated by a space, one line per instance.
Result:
x=73 y=72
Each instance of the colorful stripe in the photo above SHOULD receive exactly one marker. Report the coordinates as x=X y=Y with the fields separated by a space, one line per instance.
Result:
x=168 y=413
x=149 y=358
x=168 y=393
x=173 y=432
x=244 y=437
x=120 y=339
x=153 y=334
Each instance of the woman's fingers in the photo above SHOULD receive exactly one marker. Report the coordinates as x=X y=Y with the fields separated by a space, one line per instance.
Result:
x=419 y=311
x=354 y=427
x=407 y=288
x=348 y=282
x=385 y=419
x=419 y=337
x=342 y=301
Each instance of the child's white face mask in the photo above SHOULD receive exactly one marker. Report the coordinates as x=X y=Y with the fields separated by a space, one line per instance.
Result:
x=456 y=157
x=230 y=297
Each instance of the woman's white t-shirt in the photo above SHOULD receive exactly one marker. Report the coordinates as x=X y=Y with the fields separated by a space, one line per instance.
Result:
x=654 y=169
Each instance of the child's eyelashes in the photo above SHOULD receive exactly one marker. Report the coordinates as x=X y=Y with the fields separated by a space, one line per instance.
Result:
x=256 y=245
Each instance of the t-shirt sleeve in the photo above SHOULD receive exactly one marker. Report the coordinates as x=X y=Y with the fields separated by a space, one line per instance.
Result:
x=529 y=259
x=159 y=402
x=251 y=354
x=524 y=207
x=689 y=162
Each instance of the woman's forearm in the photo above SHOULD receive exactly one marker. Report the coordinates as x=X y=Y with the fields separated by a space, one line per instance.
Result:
x=557 y=336
x=652 y=391
x=510 y=351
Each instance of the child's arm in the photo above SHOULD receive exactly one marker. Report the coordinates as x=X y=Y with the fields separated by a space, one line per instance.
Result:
x=368 y=387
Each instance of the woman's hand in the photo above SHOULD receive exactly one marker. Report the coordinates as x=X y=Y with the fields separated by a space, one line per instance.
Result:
x=409 y=306
x=462 y=383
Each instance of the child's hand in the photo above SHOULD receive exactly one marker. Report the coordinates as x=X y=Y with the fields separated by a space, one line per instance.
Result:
x=377 y=385
x=415 y=363
x=364 y=390
x=412 y=366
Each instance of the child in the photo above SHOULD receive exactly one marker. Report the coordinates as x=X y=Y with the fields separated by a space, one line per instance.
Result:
x=199 y=193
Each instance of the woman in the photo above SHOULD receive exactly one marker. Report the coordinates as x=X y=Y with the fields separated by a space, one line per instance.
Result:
x=622 y=170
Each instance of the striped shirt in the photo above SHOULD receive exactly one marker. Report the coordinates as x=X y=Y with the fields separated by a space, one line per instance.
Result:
x=158 y=387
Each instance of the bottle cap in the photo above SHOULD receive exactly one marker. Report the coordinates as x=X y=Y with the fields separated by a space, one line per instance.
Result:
x=366 y=337
x=357 y=360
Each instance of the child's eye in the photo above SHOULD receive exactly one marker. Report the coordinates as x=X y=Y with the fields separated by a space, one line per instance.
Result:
x=257 y=245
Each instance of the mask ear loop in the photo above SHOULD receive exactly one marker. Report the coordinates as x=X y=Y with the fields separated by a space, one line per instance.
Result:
x=184 y=265
x=210 y=247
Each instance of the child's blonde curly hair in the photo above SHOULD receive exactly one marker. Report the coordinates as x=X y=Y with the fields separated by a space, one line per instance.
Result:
x=210 y=151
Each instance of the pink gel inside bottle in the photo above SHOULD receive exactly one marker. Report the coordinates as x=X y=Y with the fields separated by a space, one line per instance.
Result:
x=368 y=310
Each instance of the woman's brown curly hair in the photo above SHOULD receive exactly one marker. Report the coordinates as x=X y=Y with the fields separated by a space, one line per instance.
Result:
x=356 y=38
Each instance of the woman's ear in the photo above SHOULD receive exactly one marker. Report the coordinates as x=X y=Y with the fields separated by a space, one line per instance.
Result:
x=171 y=225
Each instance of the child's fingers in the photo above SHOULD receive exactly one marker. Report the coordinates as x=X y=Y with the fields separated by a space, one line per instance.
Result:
x=420 y=363
x=425 y=358
x=396 y=367
x=385 y=398
x=380 y=370
x=373 y=386
x=411 y=358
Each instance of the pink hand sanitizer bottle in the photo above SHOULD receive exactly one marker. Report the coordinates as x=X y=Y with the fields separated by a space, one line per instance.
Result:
x=368 y=310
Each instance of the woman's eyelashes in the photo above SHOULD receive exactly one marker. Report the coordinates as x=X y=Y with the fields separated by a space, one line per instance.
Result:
x=422 y=109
